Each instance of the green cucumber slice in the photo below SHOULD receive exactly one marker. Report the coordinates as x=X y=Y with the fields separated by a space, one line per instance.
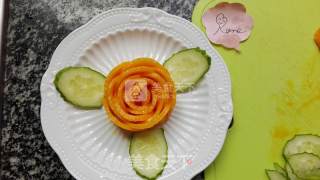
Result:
x=148 y=153
x=305 y=165
x=281 y=170
x=187 y=67
x=302 y=144
x=275 y=175
x=291 y=174
x=80 y=86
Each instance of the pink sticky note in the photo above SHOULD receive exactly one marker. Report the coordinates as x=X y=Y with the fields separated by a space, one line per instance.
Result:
x=228 y=24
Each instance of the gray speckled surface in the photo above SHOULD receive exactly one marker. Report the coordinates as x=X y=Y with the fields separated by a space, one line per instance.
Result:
x=35 y=29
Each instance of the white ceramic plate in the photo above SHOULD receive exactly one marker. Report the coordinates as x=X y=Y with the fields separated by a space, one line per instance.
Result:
x=87 y=142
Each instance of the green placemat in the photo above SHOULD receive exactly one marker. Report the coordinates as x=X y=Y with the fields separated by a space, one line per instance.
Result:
x=275 y=85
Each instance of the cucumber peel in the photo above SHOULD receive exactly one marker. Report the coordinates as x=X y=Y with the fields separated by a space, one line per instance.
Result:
x=303 y=143
x=291 y=174
x=305 y=165
x=275 y=175
x=302 y=155
x=281 y=170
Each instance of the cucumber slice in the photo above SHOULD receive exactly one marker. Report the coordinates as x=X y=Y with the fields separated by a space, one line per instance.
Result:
x=275 y=175
x=187 y=67
x=291 y=174
x=148 y=153
x=302 y=144
x=280 y=169
x=80 y=86
x=305 y=165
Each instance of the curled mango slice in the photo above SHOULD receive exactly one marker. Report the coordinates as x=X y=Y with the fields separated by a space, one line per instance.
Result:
x=139 y=94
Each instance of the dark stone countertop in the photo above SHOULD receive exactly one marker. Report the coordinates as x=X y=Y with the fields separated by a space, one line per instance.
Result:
x=35 y=28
